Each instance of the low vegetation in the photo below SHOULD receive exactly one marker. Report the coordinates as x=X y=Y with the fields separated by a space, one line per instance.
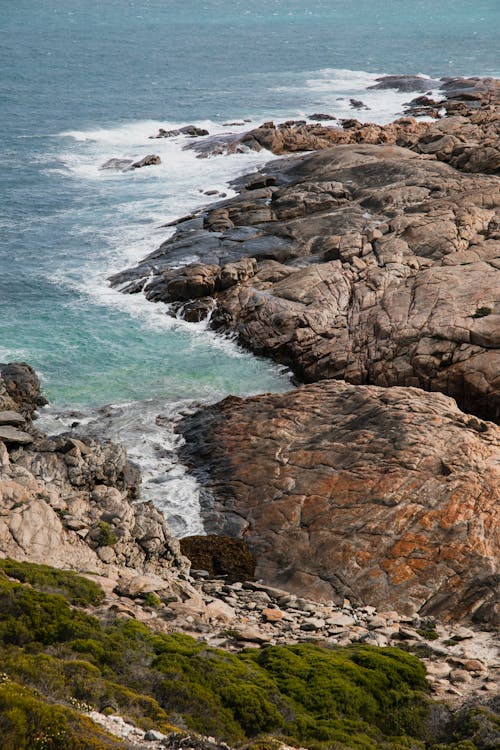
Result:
x=55 y=658
x=76 y=589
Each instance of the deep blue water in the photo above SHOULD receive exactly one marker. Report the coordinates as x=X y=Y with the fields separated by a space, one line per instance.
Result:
x=83 y=80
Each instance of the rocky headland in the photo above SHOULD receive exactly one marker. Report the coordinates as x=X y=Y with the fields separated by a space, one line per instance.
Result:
x=356 y=517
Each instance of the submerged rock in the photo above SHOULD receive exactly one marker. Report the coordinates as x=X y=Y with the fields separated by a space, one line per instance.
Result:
x=117 y=164
x=405 y=83
x=125 y=165
x=146 y=161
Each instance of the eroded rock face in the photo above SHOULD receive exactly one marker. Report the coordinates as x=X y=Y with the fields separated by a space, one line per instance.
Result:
x=69 y=502
x=385 y=496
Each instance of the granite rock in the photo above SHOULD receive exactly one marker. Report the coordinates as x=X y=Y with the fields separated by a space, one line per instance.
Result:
x=385 y=496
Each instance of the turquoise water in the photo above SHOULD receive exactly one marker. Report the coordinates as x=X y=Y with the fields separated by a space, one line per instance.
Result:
x=84 y=80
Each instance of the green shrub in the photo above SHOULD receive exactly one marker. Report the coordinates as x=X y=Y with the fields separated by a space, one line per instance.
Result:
x=28 y=616
x=76 y=589
x=27 y=721
x=107 y=536
x=151 y=599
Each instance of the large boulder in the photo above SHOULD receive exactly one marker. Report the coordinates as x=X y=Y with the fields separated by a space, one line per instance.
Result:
x=20 y=389
x=388 y=497
x=365 y=262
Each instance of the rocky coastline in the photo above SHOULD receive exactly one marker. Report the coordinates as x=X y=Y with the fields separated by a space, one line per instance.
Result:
x=366 y=499
x=371 y=268
x=71 y=504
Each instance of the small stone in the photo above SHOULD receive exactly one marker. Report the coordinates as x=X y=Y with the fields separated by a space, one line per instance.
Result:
x=253 y=635
x=474 y=665
x=375 y=638
x=391 y=616
x=314 y=623
x=377 y=622
x=272 y=615
x=408 y=634
x=438 y=669
x=304 y=605
x=490 y=686
x=459 y=676
x=287 y=601
x=341 y=620
x=106 y=554
x=219 y=610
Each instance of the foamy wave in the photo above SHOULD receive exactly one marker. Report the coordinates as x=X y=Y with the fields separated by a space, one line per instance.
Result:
x=139 y=131
x=330 y=89
x=147 y=429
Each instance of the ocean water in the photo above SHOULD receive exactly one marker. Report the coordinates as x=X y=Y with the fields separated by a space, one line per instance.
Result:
x=86 y=80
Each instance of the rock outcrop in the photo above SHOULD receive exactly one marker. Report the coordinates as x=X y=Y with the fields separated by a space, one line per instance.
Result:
x=385 y=496
x=374 y=261
x=367 y=263
x=71 y=502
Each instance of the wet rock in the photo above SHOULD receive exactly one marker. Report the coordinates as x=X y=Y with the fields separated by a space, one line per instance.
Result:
x=190 y=130
x=405 y=83
x=146 y=161
x=357 y=104
x=117 y=164
x=321 y=117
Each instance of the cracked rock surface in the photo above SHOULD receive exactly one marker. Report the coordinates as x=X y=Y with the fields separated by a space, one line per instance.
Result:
x=365 y=262
x=388 y=497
